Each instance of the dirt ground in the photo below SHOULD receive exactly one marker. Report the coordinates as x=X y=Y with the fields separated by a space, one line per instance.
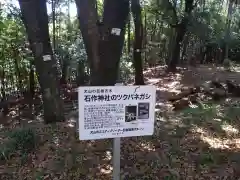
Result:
x=200 y=142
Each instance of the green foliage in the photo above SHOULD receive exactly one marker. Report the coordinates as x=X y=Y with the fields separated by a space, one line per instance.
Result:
x=207 y=25
x=7 y=149
x=206 y=159
x=14 y=54
x=170 y=177
x=39 y=175
x=25 y=139
x=126 y=68
x=202 y=111
x=22 y=140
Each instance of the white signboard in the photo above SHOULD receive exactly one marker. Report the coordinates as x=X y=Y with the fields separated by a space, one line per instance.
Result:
x=116 y=111
x=116 y=31
x=47 y=58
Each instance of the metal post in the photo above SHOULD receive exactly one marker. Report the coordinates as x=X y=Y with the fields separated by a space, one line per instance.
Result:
x=116 y=158
x=116 y=153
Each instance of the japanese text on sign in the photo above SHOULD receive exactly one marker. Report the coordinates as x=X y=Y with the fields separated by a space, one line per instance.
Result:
x=116 y=97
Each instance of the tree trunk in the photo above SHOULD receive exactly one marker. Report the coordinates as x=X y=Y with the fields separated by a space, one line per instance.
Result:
x=209 y=54
x=227 y=30
x=180 y=32
x=80 y=73
x=17 y=70
x=4 y=103
x=103 y=43
x=145 y=36
x=64 y=69
x=54 y=23
x=137 y=58
x=181 y=29
x=129 y=35
x=31 y=81
x=184 y=49
x=202 y=54
x=34 y=13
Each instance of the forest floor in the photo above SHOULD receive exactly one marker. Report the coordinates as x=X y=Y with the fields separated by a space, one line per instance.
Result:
x=198 y=142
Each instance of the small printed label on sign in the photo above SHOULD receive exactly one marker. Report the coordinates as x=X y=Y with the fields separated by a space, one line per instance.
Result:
x=116 y=31
x=47 y=58
x=116 y=111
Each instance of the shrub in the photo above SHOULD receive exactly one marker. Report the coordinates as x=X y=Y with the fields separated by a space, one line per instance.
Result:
x=23 y=140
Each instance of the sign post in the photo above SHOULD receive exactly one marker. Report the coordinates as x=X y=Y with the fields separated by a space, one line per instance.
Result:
x=116 y=158
x=117 y=153
x=115 y=112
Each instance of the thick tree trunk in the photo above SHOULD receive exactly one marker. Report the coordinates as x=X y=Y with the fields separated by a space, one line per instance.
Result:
x=137 y=58
x=35 y=19
x=103 y=49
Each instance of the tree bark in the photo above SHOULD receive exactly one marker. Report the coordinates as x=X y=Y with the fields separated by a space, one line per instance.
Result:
x=17 y=69
x=202 y=55
x=81 y=75
x=181 y=29
x=64 y=69
x=4 y=103
x=103 y=44
x=227 y=30
x=54 y=23
x=129 y=35
x=87 y=17
x=34 y=15
x=184 y=49
x=31 y=81
x=145 y=36
x=137 y=58
x=180 y=32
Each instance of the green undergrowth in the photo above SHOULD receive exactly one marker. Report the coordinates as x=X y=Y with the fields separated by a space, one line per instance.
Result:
x=18 y=143
x=210 y=110
x=201 y=112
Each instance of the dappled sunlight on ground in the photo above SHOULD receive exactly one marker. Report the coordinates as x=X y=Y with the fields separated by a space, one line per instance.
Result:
x=147 y=146
x=215 y=142
x=105 y=169
x=229 y=129
x=108 y=156
x=199 y=142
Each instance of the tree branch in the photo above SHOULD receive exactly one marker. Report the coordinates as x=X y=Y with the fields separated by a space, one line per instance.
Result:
x=172 y=7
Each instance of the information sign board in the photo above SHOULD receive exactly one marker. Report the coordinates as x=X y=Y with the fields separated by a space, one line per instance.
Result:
x=116 y=111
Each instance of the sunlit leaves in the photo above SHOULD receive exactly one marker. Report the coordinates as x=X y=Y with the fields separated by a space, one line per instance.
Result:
x=13 y=48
